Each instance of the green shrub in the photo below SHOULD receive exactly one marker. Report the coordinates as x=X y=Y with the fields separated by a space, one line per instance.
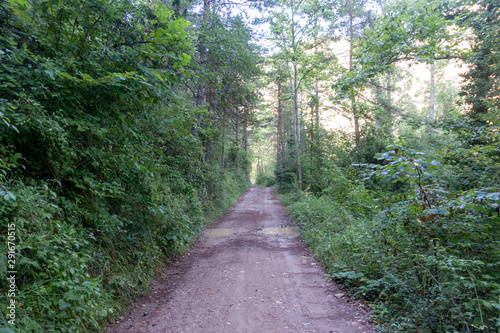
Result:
x=428 y=256
x=288 y=182
x=265 y=180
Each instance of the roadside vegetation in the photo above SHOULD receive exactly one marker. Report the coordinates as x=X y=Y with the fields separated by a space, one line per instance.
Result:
x=414 y=239
x=402 y=207
x=115 y=149
x=126 y=126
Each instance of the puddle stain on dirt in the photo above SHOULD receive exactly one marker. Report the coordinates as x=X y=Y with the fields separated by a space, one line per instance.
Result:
x=282 y=231
x=216 y=233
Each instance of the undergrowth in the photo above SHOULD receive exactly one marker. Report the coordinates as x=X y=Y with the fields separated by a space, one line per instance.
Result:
x=102 y=178
x=73 y=278
x=424 y=252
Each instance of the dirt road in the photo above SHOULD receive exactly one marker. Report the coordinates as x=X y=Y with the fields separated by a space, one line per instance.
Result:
x=239 y=279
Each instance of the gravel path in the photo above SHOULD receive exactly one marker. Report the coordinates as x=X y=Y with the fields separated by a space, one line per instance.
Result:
x=239 y=279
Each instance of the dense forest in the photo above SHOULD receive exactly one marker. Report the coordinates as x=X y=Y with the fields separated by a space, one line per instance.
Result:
x=127 y=126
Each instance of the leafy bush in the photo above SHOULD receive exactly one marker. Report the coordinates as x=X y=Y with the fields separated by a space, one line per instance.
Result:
x=288 y=182
x=427 y=256
x=265 y=180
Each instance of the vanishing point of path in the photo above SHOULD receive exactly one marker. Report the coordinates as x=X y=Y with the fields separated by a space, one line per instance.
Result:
x=244 y=280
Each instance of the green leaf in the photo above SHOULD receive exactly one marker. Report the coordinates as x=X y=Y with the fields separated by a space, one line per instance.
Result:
x=6 y=330
x=493 y=196
x=74 y=297
x=63 y=304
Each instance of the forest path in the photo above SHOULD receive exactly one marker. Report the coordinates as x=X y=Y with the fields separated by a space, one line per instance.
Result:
x=246 y=281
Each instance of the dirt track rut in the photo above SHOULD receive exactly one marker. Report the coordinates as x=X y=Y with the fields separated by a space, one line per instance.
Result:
x=247 y=282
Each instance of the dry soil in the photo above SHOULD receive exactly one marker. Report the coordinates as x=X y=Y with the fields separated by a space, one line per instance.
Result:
x=242 y=277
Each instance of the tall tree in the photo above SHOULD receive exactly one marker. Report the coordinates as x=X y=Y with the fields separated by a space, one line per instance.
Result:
x=432 y=94
x=481 y=91
x=350 y=19
x=294 y=26
x=428 y=37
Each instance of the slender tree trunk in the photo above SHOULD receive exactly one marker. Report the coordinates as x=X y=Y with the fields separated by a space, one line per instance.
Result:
x=316 y=93
x=356 y=127
x=258 y=165
x=353 y=98
x=223 y=140
x=200 y=99
x=311 y=133
x=432 y=96
x=279 y=137
x=261 y=168
x=237 y=126
x=316 y=133
x=296 y=105
x=236 y=135
x=245 y=128
x=201 y=94
x=296 y=123
x=316 y=129
x=389 y=102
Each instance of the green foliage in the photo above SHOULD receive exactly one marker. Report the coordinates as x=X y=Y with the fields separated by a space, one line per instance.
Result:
x=415 y=228
x=480 y=91
x=451 y=238
x=99 y=169
x=476 y=152
x=288 y=182
x=265 y=180
x=427 y=255
x=54 y=263
x=418 y=31
x=340 y=150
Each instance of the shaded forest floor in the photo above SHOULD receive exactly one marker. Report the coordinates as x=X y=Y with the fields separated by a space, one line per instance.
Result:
x=242 y=277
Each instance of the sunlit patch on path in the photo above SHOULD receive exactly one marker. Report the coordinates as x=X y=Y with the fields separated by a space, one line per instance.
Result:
x=271 y=201
x=282 y=231
x=216 y=233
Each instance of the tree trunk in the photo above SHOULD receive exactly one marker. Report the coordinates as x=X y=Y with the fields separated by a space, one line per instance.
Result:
x=236 y=135
x=279 y=138
x=223 y=140
x=311 y=138
x=316 y=127
x=201 y=95
x=296 y=106
x=353 y=98
x=356 y=129
x=258 y=165
x=316 y=91
x=237 y=125
x=245 y=128
x=296 y=124
x=432 y=96
x=389 y=103
x=200 y=99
